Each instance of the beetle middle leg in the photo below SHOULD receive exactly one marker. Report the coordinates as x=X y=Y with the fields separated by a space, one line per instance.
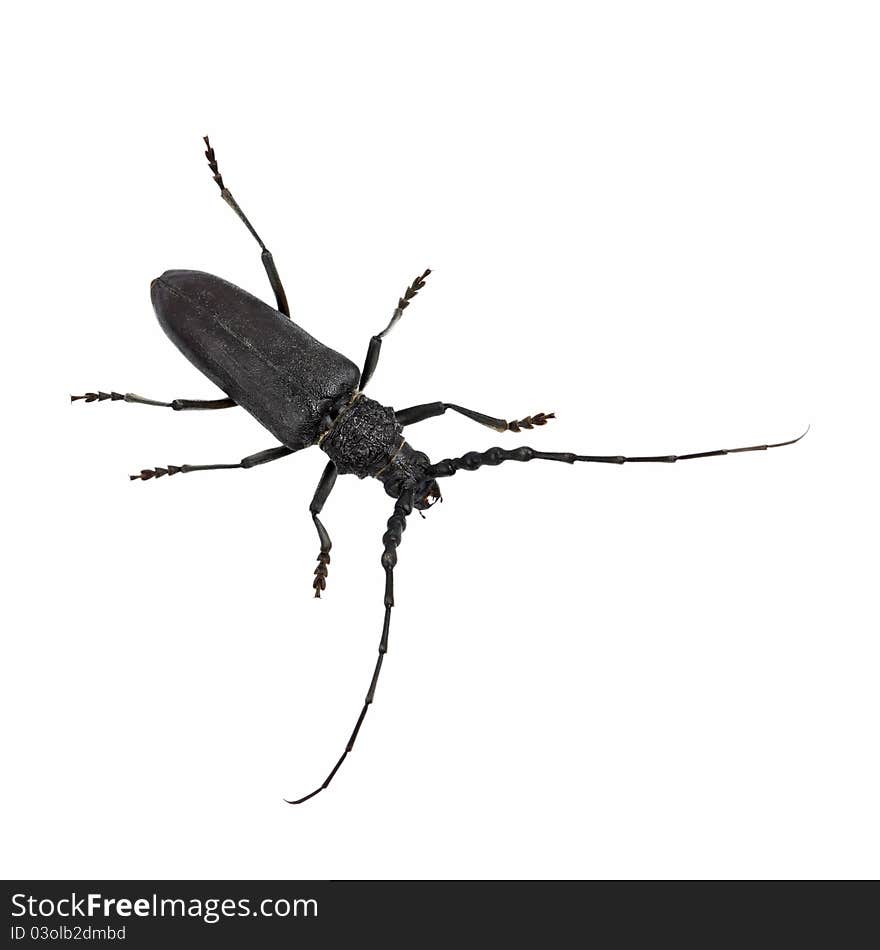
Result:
x=177 y=404
x=266 y=256
x=322 y=492
x=258 y=458
x=408 y=417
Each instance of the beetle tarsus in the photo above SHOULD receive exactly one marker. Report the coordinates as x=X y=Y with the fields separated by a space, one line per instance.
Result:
x=147 y=473
x=98 y=397
x=212 y=162
x=322 y=492
x=403 y=302
x=539 y=419
x=320 y=581
x=375 y=346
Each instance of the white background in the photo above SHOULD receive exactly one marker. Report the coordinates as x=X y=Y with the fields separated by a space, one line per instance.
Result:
x=658 y=220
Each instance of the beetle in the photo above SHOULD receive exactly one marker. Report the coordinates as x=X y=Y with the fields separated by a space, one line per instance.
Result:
x=307 y=394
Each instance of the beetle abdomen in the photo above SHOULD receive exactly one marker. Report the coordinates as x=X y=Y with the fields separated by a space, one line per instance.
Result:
x=270 y=366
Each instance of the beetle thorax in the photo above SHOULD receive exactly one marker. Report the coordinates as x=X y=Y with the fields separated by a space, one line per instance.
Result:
x=363 y=439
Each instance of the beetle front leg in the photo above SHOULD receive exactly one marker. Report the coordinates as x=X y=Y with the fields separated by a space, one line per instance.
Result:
x=408 y=417
x=322 y=492
x=177 y=404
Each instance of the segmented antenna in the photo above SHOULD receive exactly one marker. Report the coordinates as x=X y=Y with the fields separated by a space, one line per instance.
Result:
x=391 y=541
x=471 y=461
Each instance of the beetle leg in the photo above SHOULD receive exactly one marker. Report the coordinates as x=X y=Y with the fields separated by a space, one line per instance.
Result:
x=259 y=458
x=376 y=341
x=266 y=257
x=143 y=401
x=408 y=417
x=322 y=492
x=471 y=461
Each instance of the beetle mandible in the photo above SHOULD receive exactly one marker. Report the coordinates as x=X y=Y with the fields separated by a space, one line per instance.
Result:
x=306 y=394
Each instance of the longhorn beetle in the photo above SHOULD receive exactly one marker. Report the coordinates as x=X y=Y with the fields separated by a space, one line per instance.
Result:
x=306 y=394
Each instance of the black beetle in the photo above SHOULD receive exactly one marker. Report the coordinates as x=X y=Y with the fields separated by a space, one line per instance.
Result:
x=306 y=394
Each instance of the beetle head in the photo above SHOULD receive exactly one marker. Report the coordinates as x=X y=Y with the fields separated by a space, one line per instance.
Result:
x=410 y=470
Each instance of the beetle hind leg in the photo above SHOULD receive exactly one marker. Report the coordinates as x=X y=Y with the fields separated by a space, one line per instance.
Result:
x=177 y=404
x=266 y=255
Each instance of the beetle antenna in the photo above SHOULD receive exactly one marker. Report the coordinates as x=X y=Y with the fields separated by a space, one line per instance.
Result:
x=391 y=539
x=471 y=461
